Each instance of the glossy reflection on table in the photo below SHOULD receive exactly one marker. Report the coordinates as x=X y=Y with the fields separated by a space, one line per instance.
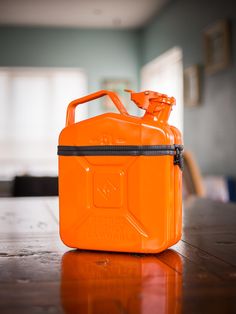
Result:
x=39 y=274
x=93 y=282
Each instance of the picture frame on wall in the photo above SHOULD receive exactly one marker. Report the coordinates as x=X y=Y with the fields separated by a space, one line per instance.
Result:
x=217 y=47
x=118 y=86
x=192 y=92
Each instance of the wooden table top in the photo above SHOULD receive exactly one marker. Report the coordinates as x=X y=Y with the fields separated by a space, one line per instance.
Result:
x=38 y=274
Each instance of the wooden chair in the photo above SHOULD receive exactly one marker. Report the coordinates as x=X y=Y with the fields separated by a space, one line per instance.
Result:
x=192 y=178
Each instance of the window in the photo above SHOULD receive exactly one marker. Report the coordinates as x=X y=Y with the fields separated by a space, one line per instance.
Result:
x=33 y=104
x=165 y=75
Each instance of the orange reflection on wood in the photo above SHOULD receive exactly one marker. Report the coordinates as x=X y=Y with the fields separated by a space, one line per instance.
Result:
x=110 y=283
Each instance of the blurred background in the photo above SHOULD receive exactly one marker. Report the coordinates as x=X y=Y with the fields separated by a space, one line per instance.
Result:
x=53 y=51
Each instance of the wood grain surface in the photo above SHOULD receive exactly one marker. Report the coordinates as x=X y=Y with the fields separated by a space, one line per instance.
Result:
x=38 y=274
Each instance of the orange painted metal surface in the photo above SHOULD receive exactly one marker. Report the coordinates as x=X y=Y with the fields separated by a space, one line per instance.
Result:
x=125 y=203
x=121 y=283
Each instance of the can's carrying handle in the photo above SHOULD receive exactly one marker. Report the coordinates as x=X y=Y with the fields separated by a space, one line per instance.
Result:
x=70 y=116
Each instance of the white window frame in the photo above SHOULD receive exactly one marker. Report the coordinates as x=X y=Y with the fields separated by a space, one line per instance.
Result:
x=157 y=70
x=36 y=156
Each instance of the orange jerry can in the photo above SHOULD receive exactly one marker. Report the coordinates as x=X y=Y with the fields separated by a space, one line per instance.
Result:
x=120 y=177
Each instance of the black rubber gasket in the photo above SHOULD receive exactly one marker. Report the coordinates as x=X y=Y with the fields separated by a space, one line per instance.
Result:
x=125 y=150
x=119 y=150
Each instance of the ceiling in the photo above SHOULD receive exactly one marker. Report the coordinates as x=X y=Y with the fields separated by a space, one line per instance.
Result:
x=79 y=13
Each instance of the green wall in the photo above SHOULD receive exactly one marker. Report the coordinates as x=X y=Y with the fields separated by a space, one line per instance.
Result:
x=209 y=130
x=101 y=53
